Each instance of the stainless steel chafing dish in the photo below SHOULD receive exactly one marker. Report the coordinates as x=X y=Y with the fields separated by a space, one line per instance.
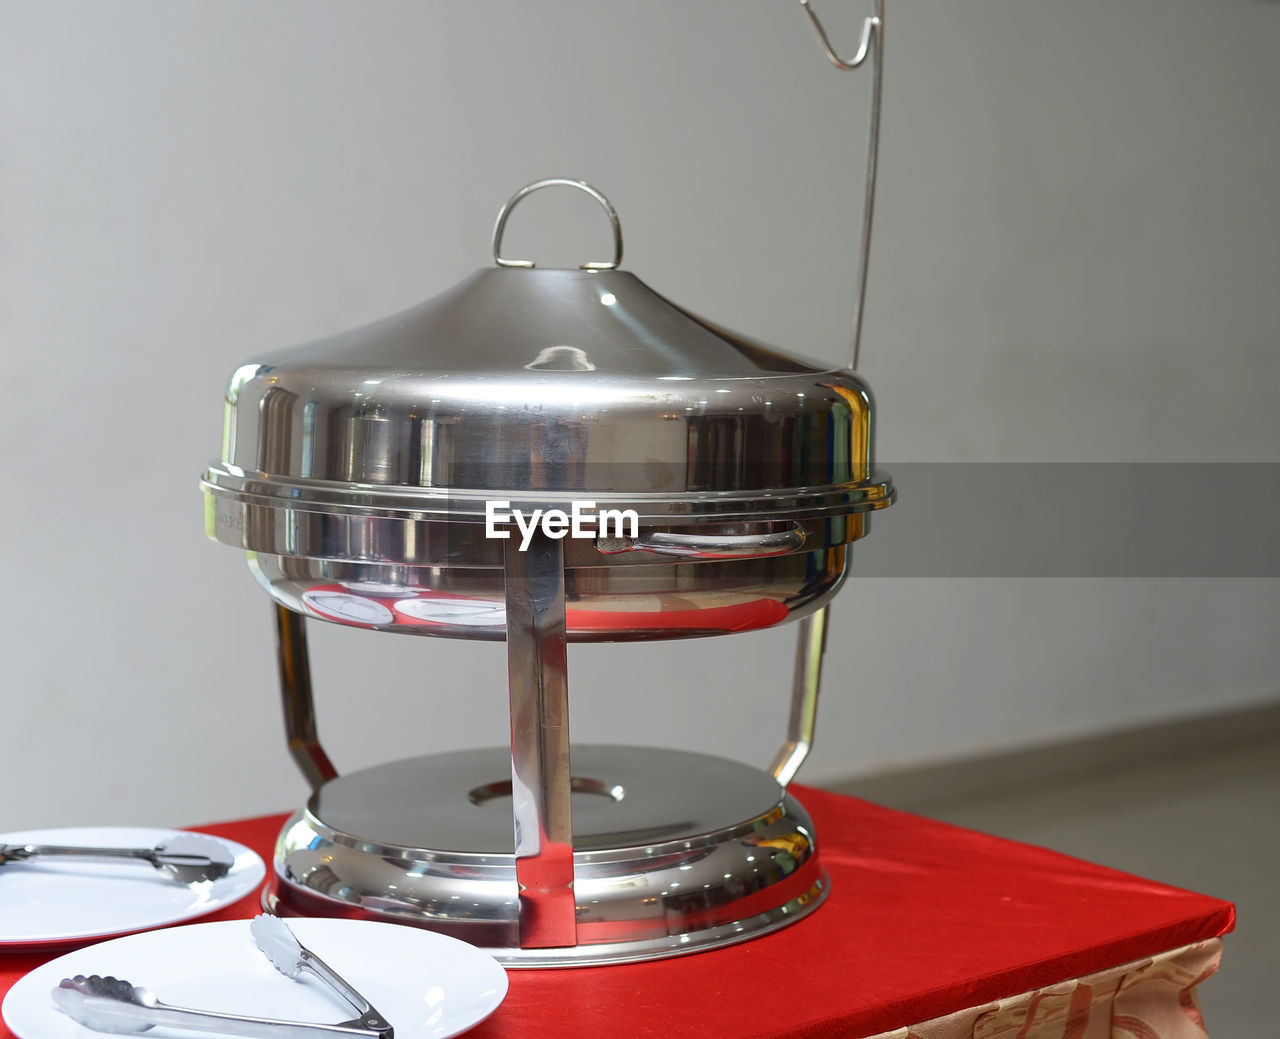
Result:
x=383 y=478
x=363 y=471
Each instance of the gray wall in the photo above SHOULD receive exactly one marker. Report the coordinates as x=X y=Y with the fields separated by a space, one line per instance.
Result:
x=1075 y=260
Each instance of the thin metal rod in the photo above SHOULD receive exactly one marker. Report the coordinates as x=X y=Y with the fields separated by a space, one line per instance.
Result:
x=802 y=724
x=22 y=852
x=871 y=42
x=295 y=693
x=537 y=674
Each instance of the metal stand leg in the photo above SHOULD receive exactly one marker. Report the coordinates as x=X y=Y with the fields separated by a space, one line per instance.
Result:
x=295 y=691
x=537 y=672
x=804 y=698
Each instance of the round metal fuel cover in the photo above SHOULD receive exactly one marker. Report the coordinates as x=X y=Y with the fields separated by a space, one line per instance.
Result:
x=673 y=852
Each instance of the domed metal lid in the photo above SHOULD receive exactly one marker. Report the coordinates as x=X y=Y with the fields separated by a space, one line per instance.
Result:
x=550 y=382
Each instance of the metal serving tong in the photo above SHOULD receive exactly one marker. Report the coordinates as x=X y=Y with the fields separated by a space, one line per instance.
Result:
x=113 y=1005
x=189 y=858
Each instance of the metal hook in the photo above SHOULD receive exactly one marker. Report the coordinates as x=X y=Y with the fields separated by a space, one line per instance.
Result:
x=872 y=35
x=869 y=27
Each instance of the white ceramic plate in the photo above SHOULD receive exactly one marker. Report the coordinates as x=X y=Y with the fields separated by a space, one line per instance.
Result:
x=447 y=611
x=345 y=607
x=57 y=901
x=426 y=985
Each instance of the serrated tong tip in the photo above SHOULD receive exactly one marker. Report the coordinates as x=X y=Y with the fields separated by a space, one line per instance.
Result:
x=292 y=959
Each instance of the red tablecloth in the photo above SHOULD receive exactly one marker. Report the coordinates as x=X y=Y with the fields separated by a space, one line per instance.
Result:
x=924 y=919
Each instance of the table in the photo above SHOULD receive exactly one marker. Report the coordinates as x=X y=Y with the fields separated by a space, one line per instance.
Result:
x=928 y=925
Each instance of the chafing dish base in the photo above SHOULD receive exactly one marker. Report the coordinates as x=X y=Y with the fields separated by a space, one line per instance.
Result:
x=673 y=852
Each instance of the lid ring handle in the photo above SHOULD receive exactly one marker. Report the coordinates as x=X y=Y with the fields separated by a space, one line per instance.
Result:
x=591 y=265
